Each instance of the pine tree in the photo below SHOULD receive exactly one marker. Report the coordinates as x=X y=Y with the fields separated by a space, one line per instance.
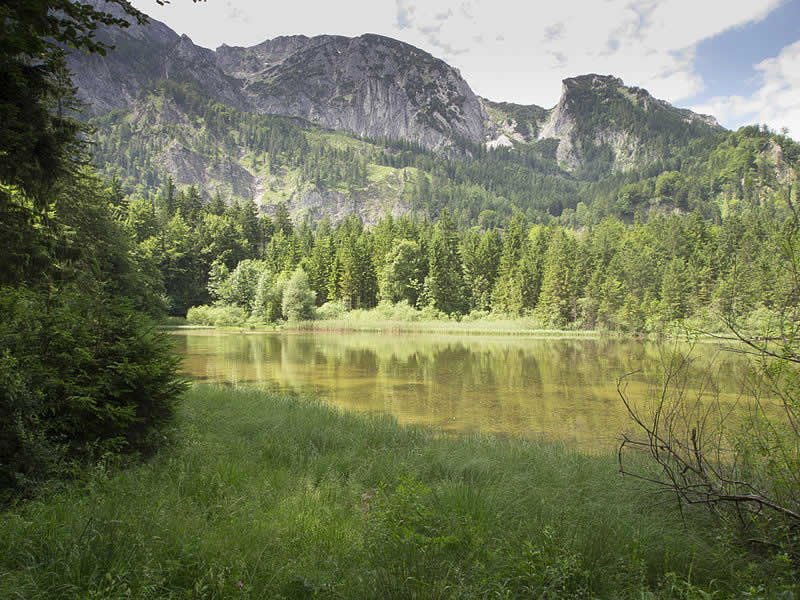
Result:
x=558 y=301
x=674 y=288
x=217 y=205
x=445 y=281
x=282 y=220
x=245 y=216
x=509 y=289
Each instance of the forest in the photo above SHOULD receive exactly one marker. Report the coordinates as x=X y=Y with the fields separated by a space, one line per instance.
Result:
x=83 y=371
x=477 y=186
x=506 y=231
x=637 y=277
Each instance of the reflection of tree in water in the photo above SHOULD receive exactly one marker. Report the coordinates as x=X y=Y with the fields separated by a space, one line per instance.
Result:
x=362 y=360
x=562 y=389
x=298 y=349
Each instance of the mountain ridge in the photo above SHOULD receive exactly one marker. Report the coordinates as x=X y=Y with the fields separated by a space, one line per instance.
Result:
x=369 y=85
x=329 y=125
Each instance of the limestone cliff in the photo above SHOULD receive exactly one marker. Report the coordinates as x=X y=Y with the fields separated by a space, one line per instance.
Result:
x=599 y=121
x=369 y=85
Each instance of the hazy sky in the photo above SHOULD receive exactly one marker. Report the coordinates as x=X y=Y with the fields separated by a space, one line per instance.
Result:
x=738 y=60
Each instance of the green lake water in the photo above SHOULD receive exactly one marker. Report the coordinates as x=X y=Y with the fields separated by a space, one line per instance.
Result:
x=559 y=389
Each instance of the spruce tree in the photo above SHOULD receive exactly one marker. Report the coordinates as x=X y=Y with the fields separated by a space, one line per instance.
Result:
x=445 y=282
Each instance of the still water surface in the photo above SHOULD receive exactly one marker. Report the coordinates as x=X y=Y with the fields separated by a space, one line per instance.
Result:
x=541 y=388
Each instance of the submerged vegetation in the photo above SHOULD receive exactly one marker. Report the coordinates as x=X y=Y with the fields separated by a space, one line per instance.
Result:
x=272 y=496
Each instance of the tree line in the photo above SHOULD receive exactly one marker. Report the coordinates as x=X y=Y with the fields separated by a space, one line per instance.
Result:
x=612 y=275
x=714 y=174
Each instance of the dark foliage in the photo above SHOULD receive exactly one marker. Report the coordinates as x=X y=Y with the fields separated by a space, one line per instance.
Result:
x=82 y=371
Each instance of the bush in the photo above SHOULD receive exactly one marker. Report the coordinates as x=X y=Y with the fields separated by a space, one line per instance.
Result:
x=217 y=315
x=268 y=297
x=80 y=375
x=25 y=452
x=335 y=309
x=298 y=299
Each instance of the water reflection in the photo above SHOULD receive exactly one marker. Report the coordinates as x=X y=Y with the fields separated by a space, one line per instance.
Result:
x=559 y=389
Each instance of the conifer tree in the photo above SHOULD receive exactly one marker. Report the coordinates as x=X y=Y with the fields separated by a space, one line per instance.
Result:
x=674 y=287
x=558 y=301
x=445 y=282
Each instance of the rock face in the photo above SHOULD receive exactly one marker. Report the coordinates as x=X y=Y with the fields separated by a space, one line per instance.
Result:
x=379 y=87
x=142 y=55
x=369 y=85
x=599 y=119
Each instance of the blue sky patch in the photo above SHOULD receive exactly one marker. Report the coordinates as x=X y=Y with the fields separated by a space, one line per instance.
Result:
x=726 y=62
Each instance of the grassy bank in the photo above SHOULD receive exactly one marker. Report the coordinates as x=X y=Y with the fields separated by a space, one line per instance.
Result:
x=367 y=320
x=400 y=317
x=266 y=496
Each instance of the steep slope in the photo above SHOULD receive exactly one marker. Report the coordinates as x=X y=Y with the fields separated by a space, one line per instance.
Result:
x=142 y=55
x=174 y=131
x=369 y=85
x=601 y=126
x=378 y=87
x=513 y=123
x=223 y=120
x=599 y=119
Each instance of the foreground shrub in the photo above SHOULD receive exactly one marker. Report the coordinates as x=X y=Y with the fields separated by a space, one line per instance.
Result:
x=80 y=375
x=742 y=465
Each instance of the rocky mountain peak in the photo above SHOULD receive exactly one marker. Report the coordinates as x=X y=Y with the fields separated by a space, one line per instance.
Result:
x=370 y=85
x=379 y=87
x=592 y=80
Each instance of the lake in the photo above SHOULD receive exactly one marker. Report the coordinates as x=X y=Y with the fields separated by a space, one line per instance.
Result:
x=559 y=389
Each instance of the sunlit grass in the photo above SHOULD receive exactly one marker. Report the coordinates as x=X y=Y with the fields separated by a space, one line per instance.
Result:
x=401 y=317
x=267 y=496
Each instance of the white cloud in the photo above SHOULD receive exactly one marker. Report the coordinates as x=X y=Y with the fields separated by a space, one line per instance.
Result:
x=506 y=49
x=776 y=102
x=649 y=43
x=249 y=22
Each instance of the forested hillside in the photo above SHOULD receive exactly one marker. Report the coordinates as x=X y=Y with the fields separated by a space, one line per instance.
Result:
x=639 y=255
x=332 y=125
x=315 y=172
x=611 y=210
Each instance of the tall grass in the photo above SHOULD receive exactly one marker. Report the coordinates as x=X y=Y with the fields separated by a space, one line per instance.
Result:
x=402 y=317
x=268 y=496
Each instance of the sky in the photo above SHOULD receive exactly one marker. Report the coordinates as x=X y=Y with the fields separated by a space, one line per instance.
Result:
x=736 y=60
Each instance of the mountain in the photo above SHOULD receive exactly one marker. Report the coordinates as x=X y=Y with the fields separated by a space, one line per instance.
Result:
x=329 y=125
x=599 y=125
x=379 y=87
x=142 y=55
x=368 y=85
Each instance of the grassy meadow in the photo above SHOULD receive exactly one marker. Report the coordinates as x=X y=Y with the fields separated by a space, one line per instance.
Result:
x=272 y=496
